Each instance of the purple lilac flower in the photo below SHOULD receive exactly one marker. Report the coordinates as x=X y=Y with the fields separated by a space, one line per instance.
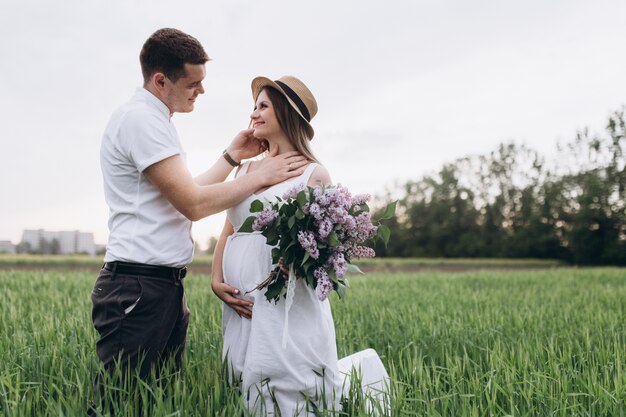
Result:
x=349 y=224
x=360 y=199
x=337 y=196
x=343 y=198
x=339 y=264
x=307 y=240
x=324 y=285
x=357 y=251
x=364 y=228
x=337 y=214
x=321 y=196
x=324 y=228
x=264 y=218
x=318 y=192
x=315 y=211
x=292 y=193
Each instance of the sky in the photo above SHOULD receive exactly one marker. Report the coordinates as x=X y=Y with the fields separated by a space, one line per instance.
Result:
x=403 y=86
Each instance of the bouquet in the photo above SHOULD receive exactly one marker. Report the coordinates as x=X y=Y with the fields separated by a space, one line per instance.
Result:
x=316 y=232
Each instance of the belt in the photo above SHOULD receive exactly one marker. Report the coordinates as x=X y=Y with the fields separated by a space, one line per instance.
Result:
x=145 y=269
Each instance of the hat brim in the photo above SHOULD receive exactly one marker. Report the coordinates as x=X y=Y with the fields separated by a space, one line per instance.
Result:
x=261 y=82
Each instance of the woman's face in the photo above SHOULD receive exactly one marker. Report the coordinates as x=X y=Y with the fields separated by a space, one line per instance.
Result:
x=264 y=120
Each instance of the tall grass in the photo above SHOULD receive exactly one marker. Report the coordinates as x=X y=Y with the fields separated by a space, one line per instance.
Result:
x=33 y=261
x=484 y=343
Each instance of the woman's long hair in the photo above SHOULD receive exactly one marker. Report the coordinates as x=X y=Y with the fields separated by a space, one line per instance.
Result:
x=291 y=123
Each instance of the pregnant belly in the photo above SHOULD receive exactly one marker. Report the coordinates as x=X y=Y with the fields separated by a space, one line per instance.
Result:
x=247 y=261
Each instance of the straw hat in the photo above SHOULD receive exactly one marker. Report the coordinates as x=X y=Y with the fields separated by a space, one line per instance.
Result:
x=296 y=93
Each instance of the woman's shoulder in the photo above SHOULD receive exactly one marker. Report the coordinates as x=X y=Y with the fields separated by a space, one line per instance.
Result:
x=320 y=175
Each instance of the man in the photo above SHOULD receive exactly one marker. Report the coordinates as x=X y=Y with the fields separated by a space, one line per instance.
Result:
x=139 y=306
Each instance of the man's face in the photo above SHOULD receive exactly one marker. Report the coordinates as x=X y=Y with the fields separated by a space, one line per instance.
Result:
x=180 y=96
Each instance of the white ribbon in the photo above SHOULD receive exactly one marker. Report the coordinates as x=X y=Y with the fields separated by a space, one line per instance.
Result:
x=291 y=287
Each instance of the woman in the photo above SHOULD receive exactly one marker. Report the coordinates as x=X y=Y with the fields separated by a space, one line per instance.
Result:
x=303 y=376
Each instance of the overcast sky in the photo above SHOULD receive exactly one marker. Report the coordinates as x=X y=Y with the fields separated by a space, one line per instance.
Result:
x=402 y=86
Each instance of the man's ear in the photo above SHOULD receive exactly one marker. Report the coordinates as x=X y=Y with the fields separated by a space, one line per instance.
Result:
x=157 y=80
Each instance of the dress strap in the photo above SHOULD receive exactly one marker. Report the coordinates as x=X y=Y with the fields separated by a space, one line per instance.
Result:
x=304 y=177
x=243 y=170
x=308 y=172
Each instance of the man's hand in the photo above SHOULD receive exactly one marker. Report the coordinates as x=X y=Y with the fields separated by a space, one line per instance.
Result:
x=230 y=296
x=276 y=168
x=245 y=146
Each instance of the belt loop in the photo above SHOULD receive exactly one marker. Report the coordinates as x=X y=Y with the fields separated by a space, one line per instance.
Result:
x=113 y=270
x=179 y=274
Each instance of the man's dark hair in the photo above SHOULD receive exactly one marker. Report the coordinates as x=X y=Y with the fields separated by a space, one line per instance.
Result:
x=167 y=51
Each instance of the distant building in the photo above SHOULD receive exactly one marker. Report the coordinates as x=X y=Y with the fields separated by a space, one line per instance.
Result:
x=63 y=242
x=6 y=246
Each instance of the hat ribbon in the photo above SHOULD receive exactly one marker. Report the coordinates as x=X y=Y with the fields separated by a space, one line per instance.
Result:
x=295 y=98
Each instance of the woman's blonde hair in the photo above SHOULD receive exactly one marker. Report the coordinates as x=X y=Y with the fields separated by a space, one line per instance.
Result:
x=291 y=123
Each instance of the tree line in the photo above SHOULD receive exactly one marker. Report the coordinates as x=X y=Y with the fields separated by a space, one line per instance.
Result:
x=513 y=203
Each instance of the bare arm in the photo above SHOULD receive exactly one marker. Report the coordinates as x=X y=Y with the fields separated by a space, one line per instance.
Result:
x=225 y=292
x=243 y=146
x=320 y=176
x=196 y=201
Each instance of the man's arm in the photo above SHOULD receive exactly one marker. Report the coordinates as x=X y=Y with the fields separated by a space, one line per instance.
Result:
x=243 y=146
x=196 y=201
x=217 y=173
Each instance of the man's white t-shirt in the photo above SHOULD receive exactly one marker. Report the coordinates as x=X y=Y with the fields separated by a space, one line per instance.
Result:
x=143 y=226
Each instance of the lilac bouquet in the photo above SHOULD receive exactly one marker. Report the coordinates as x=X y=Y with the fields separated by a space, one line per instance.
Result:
x=317 y=232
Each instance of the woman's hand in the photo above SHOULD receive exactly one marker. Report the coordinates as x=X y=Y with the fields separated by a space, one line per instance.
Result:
x=230 y=296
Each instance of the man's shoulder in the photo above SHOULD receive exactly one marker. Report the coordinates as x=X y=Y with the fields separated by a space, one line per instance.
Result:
x=137 y=108
x=134 y=114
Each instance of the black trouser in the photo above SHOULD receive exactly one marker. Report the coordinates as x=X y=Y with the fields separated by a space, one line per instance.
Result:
x=142 y=317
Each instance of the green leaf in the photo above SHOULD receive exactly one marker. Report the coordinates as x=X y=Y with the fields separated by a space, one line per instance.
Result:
x=354 y=269
x=333 y=241
x=275 y=255
x=275 y=289
x=291 y=221
x=390 y=211
x=246 y=227
x=310 y=279
x=301 y=198
x=306 y=257
x=341 y=289
x=256 y=206
x=384 y=233
x=272 y=237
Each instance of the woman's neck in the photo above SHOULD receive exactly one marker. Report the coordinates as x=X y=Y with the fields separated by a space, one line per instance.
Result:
x=283 y=143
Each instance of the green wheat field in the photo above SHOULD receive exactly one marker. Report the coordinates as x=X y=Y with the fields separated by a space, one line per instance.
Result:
x=524 y=342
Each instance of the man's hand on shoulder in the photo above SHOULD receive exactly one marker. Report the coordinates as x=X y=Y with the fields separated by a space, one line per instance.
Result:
x=275 y=168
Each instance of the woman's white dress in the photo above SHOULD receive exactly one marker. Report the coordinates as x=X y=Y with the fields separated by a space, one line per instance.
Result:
x=303 y=375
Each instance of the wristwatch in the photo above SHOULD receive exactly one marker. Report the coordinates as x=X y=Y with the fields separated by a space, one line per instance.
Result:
x=229 y=159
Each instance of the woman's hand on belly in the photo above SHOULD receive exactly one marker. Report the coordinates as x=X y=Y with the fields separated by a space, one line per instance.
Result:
x=232 y=298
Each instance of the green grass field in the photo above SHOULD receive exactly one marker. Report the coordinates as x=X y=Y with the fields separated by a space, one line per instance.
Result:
x=547 y=342
x=204 y=261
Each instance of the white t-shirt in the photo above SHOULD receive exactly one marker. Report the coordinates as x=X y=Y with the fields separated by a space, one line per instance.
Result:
x=143 y=226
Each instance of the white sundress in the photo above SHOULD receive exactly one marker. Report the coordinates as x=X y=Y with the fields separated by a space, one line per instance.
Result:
x=300 y=377
x=305 y=375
